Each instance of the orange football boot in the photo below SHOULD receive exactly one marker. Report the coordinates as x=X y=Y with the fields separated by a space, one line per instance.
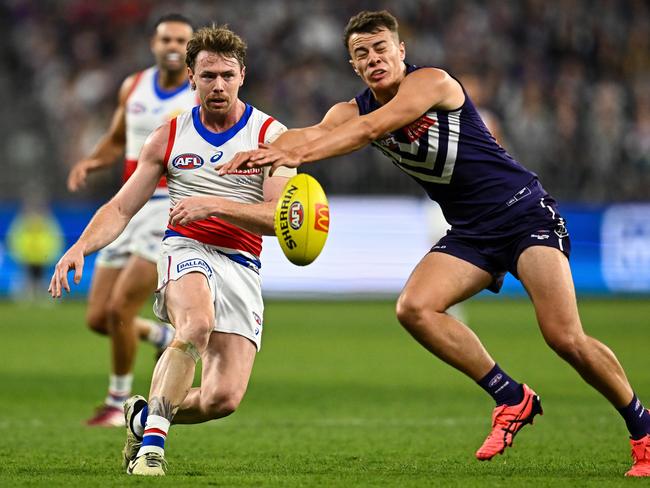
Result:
x=507 y=420
x=641 y=456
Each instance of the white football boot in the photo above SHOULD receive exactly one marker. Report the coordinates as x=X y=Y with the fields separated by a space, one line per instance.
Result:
x=132 y=407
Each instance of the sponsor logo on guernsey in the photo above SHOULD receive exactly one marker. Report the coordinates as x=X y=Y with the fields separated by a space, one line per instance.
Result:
x=322 y=220
x=296 y=215
x=417 y=129
x=187 y=161
x=216 y=156
x=248 y=171
x=194 y=263
x=136 y=108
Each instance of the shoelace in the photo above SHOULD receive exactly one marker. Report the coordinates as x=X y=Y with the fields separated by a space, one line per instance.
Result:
x=155 y=460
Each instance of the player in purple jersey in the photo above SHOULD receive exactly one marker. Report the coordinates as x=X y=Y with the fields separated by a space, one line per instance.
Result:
x=502 y=220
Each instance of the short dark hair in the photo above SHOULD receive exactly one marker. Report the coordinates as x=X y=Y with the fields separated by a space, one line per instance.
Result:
x=173 y=17
x=217 y=39
x=370 y=22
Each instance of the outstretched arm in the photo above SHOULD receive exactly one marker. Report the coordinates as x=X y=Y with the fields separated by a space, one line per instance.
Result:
x=111 y=145
x=420 y=91
x=337 y=115
x=111 y=219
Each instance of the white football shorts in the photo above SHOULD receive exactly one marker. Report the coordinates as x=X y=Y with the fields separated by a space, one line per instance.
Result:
x=234 y=282
x=142 y=236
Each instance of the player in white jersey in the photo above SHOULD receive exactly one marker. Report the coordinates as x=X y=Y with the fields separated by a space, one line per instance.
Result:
x=209 y=281
x=125 y=271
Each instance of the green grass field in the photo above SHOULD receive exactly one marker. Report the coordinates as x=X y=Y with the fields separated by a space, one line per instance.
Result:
x=340 y=396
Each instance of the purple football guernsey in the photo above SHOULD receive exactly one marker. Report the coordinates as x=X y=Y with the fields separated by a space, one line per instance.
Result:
x=453 y=156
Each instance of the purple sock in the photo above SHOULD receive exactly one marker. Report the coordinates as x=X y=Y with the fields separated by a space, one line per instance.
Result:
x=502 y=387
x=636 y=418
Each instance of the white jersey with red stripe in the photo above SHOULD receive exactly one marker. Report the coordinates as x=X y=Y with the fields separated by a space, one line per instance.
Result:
x=148 y=106
x=190 y=159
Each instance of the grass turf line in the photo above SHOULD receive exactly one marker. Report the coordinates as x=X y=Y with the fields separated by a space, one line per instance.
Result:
x=340 y=396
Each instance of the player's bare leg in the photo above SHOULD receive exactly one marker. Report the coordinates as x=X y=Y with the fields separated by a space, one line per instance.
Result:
x=116 y=295
x=190 y=307
x=545 y=273
x=227 y=366
x=439 y=281
x=134 y=286
x=547 y=277
x=101 y=288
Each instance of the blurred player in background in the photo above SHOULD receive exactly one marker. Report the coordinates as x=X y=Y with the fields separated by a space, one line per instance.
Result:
x=502 y=221
x=125 y=271
x=209 y=284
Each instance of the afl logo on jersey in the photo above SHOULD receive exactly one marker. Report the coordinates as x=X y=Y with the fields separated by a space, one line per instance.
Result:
x=187 y=161
x=296 y=215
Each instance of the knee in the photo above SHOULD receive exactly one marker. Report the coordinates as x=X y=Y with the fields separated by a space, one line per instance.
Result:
x=97 y=321
x=413 y=312
x=566 y=345
x=116 y=311
x=221 y=404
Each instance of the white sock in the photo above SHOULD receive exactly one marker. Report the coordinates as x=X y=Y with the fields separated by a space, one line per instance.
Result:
x=119 y=389
x=155 y=433
x=160 y=334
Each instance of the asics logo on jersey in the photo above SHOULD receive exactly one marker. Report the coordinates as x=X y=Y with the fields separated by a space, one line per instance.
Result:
x=216 y=156
x=296 y=215
x=187 y=161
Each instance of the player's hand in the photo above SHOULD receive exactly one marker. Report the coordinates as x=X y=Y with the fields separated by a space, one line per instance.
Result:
x=78 y=175
x=238 y=162
x=73 y=259
x=191 y=209
x=264 y=156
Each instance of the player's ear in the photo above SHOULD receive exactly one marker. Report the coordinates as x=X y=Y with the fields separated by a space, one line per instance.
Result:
x=190 y=76
x=402 y=51
x=354 y=67
x=243 y=75
x=152 y=41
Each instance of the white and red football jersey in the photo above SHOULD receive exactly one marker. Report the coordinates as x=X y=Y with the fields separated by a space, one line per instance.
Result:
x=148 y=107
x=192 y=153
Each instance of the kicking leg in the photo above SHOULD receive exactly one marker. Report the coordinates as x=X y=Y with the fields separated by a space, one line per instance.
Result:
x=438 y=282
x=227 y=365
x=190 y=307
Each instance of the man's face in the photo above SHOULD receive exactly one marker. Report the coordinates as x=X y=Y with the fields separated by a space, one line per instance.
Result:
x=217 y=79
x=378 y=58
x=168 y=45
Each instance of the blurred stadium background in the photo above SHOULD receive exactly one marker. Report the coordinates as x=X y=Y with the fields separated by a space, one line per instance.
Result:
x=569 y=82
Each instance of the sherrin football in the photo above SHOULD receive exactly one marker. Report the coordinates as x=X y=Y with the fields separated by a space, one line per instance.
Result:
x=302 y=219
